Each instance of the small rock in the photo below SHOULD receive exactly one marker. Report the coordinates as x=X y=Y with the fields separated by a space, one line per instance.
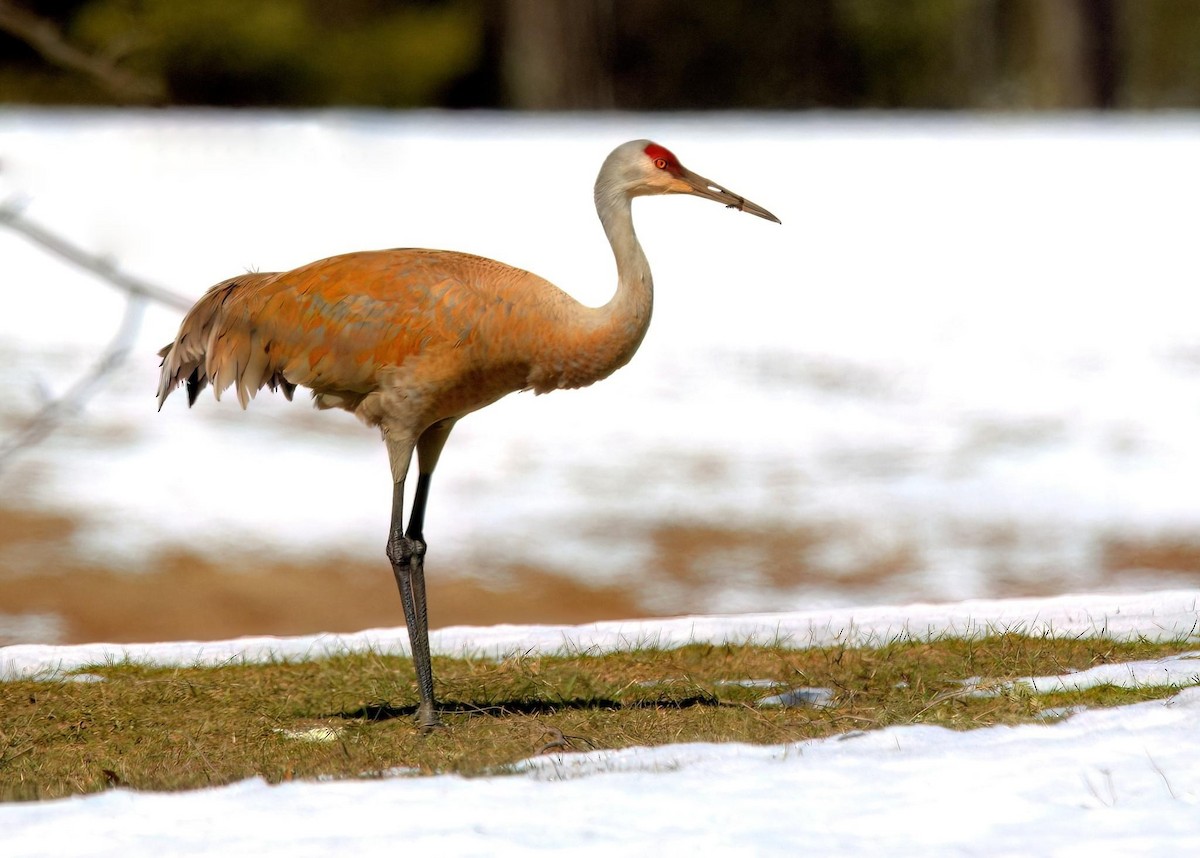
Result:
x=817 y=697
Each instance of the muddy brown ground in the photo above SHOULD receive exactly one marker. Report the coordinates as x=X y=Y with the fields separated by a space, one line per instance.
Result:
x=187 y=597
x=180 y=596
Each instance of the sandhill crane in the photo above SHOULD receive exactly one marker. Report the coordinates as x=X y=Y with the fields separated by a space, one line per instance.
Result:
x=412 y=340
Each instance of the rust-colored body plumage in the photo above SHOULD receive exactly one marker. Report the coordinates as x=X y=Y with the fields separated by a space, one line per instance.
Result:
x=401 y=338
x=447 y=333
x=412 y=340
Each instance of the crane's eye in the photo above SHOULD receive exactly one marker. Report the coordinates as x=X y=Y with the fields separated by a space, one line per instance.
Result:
x=661 y=163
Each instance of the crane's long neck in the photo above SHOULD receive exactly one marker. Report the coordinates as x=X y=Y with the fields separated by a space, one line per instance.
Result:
x=587 y=344
x=626 y=317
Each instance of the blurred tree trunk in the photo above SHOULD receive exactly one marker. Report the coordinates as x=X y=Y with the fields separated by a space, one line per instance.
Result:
x=1104 y=52
x=977 y=54
x=556 y=54
x=1072 y=60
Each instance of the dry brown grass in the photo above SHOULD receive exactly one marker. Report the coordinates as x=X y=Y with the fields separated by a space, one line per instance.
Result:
x=180 y=728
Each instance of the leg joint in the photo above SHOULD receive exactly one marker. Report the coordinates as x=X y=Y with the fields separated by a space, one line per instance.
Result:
x=402 y=549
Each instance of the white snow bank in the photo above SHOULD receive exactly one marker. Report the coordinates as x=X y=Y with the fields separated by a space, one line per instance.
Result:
x=1182 y=669
x=1157 y=616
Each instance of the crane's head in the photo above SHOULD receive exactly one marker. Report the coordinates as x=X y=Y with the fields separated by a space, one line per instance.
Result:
x=642 y=167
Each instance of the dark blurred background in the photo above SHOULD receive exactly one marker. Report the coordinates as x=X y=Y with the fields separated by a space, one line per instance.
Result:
x=605 y=54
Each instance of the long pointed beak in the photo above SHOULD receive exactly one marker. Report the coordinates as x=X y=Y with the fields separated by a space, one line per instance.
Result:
x=710 y=190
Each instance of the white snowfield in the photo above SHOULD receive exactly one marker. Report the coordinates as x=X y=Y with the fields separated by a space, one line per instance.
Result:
x=972 y=343
x=1122 y=781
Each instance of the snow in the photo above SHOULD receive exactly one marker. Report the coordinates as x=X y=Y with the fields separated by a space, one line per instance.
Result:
x=1182 y=669
x=1164 y=615
x=1116 y=781
x=972 y=344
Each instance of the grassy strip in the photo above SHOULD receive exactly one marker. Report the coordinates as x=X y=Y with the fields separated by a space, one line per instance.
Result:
x=180 y=728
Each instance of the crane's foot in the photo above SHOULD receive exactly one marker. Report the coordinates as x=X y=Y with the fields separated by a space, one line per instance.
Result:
x=427 y=718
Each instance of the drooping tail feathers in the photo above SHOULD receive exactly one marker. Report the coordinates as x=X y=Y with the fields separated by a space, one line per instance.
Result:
x=213 y=347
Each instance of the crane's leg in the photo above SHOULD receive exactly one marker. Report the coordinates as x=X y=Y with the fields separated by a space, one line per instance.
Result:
x=407 y=555
x=406 y=550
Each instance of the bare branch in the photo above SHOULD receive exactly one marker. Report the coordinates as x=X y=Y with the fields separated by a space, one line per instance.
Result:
x=45 y=37
x=11 y=217
x=53 y=413
x=138 y=293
